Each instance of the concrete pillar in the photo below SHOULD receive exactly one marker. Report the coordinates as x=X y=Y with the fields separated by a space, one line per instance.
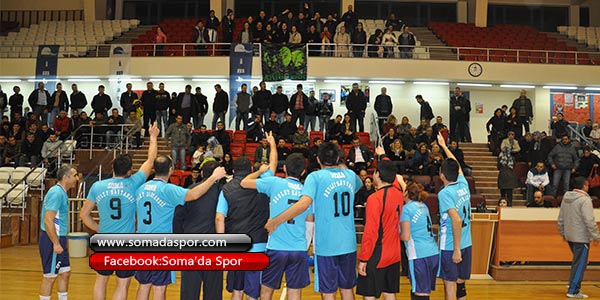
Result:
x=471 y=4
x=461 y=11
x=230 y=4
x=344 y=6
x=89 y=10
x=217 y=6
x=481 y=13
x=594 y=12
x=118 y=9
x=574 y=15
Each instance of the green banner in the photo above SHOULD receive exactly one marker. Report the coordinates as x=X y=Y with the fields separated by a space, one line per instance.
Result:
x=281 y=62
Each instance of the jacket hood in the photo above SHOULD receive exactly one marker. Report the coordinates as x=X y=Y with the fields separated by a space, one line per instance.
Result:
x=572 y=196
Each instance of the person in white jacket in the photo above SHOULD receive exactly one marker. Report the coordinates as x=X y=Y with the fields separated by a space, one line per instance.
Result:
x=342 y=41
x=389 y=41
x=537 y=180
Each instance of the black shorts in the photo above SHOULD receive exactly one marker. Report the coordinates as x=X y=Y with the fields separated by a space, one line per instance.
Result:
x=120 y=274
x=379 y=280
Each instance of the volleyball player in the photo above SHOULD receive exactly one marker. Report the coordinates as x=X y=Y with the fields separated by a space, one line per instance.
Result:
x=331 y=190
x=421 y=248
x=155 y=203
x=115 y=199
x=455 y=227
x=287 y=245
x=53 y=237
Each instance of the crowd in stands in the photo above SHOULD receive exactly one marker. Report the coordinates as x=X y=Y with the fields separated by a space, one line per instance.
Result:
x=345 y=34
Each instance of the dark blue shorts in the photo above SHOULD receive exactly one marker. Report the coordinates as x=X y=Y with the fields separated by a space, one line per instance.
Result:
x=247 y=281
x=422 y=273
x=53 y=263
x=335 y=272
x=120 y=274
x=293 y=263
x=450 y=271
x=157 y=278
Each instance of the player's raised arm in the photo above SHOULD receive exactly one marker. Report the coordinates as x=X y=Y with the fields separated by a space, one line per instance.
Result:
x=152 y=150
x=85 y=214
x=288 y=214
x=442 y=142
x=273 y=158
x=201 y=189
x=249 y=182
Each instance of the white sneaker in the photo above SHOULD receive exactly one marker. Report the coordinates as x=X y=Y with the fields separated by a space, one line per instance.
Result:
x=579 y=295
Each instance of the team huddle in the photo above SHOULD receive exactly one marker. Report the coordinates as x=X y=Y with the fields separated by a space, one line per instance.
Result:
x=283 y=216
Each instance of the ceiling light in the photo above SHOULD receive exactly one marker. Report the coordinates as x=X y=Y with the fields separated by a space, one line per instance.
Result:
x=166 y=79
x=84 y=80
x=557 y=87
x=591 y=88
x=475 y=84
x=431 y=83
x=10 y=80
x=347 y=81
x=209 y=79
x=387 y=82
x=44 y=80
x=125 y=79
x=517 y=86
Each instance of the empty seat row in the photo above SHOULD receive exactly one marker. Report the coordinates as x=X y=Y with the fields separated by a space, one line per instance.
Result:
x=12 y=175
x=585 y=35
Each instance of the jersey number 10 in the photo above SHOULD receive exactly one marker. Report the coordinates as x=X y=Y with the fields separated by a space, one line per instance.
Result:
x=345 y=203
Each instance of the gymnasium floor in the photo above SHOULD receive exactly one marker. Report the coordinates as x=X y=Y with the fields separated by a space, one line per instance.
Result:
x=20 y=277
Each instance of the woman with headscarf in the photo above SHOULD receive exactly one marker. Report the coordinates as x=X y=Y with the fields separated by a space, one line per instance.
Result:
x=497 y=131
x=506 y=178
x=374 y=49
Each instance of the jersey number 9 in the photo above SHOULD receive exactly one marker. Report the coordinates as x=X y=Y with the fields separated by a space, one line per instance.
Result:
x=115 y=204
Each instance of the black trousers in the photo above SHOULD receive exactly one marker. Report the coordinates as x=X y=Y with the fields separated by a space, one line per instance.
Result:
x=186 y=113
x=457 y=126
x=580 y=258
x=210 y=281
x=525 y=122
x=298 y=114
x=149 y=119
x=360 y=118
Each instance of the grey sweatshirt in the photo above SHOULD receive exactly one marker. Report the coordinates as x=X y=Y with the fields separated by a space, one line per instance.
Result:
x=576 y=221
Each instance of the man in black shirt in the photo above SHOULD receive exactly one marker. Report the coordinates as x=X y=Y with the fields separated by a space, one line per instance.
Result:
x=261 y=101
x=271 y=125
x=101 y=103
x=163 y=101
x=149 y=103
x=127 y=99
x=459 y=111
x=199 y=217
x=279 y=104
x=16 y=102
x=524 y=109
x=426 y=112
x=201 y=108
x=356 y=103
x=383 y=107
x=287 y=128
x=223 y=137
x=77 y=98
x=220 y=106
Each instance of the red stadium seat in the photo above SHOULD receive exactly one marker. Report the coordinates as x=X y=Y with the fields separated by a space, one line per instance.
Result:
x=250 y=149
x=364 y=137
x=239 y=136
x=237 y=149
x=432 y=204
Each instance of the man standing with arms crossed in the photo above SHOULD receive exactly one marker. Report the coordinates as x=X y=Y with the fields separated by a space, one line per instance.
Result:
x=577 y=226
x=455 y=227
x=115 y=199
x=331 y=190
x=156 y=202
x=287 y=246
x=53 y=238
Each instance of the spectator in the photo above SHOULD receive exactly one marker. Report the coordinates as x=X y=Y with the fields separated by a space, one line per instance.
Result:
x=312 y=37
x=390 y=123
x=559 y=126
x=194 y=178
x=383 y=107
x=2 y=145
x=246 y=35
x=331 y=24
x=409 y=141
x=228 y=26
x=279 y=104
x=163 y=102
x=187 y=103
x=316 y=21
x=587 y=163
x=262 y=100
x=201 y=37
x=564 y=161
x=313 y=153
x=595 y=135
x=389 y=138
x=261 y=155
x=242 y=102
x=504 y=110
x=324 y=111
x=259 y=34
x=395 y=23
x=271 y=125
x=374 y=49
x=50 y=154
x=363 y=174
x=301 y=23
x=513 y=123
x=83 y=134
x=356 y=103
x=506 y=178
x=149 y=104
x=502 y=202
x=335 y=129
x=282 y=152
x=16 y=102
x=360 y=199
x=398 y=156
x=62 y=125
x=282 y=36
x=212 y=22
x=326 y=39
x=262 y=18
x=389 y=41
x=115 y=133
x=459 y=110
x=222 y=137
x=497 y=132
x=227 y=163
x=172 y=109
x=255 y=131
x=30 y=151
x=220 y=106
x=524 y=110
x=127 y=99
x=18 y=119
x=214 y=149
x=199 y=138
x=6 y=129
x=160 y=38
x=526 y=145
x=311 y=109
x=460 y=158
x=439 y=126
x=350 y=19
x=136 y=128
x=359 y=39
x=587 y=128
x=17 y=132
x=99 y=129
x=436 y=157
x=287 y=128
x=178 y=138
x=359 y=156
x=38 y=101
x=538 y=201
x=405 y=127
x=422 y=127
x=428 y=138
x=11 y=153
x=537 y=180
x=295 y=36
x=511 y=143
x=577 y=226
x=426 y=112
x=201 y=108
x=407 y=43
x=300 y=141
x=420 y=161
x=298 y=105
x=342 y=42
x=3 y=102
x=78 y=100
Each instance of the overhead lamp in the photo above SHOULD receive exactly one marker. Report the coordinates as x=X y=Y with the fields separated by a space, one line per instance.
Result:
x=209 y=79
x=166 y=79
x=347 y=81
x=591 y=88
x=10 y=80
x=431 y=83
x=474 y=84
x=125 y=79
x=558 y=87
x=387 y=81
x=44 y=80
x=517 y=86
x=84 y=80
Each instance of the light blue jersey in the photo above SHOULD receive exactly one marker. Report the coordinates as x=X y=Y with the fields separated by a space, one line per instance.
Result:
x=421 y=243
x=457 y=196
x=332 y=191
x=57 y=200
x=115 y=199
x=283 y=193
x=156 y=202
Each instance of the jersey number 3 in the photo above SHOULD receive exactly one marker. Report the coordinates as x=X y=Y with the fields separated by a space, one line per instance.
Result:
x=345 y=203
x=148 y=220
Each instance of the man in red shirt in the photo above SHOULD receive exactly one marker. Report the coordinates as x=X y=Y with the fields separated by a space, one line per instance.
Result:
x=62 y=125
x=379 y=267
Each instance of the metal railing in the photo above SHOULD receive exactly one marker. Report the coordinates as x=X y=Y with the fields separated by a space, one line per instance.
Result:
x=123 y=138
x=335 y=50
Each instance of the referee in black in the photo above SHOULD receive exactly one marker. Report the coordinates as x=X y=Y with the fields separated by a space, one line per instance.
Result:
x=199 y=217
